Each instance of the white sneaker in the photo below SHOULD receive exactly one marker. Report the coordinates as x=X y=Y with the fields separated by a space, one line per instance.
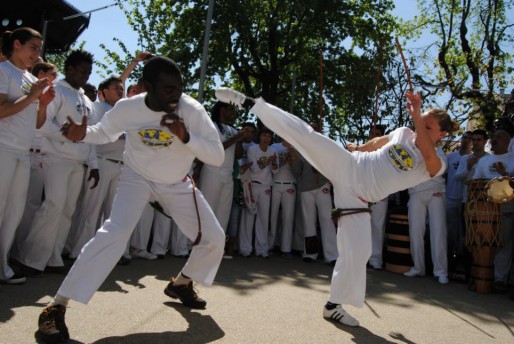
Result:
x=443 y=279
x=338 y=314
x=413 y=272
x=230 y=96
x=144 y=254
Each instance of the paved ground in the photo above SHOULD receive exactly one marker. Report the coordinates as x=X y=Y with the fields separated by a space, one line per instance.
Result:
x=260 y=300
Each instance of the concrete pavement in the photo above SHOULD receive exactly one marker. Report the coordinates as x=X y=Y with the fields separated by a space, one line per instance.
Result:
x=257 y=300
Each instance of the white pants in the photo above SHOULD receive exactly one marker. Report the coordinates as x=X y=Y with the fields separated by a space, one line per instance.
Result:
x=262 y=194
x=141 y=234
x=338 y=165
x=319 y=202
x=218 y=192
x=282 y=196
x=378 y=220
x=161 y=230
x=49 y=230
x=419 y=203
x=34 y=195
x=92 y=204
x=100 y=254
x=14 y=182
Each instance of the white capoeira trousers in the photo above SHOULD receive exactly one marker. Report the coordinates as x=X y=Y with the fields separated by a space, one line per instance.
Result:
x=218 y=190
x=318 y=203
x=34 y=195
x=93 y=202
x=338 y=165
x=419 y=203
x=14 y=182
x=167 y=236
x=378 y=220
x=100 y=254
x=51 y=225
x=283 y=195
x=262 y=194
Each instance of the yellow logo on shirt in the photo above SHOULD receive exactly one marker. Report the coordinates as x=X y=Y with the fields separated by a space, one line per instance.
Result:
x=155 y=137
x=400 y=158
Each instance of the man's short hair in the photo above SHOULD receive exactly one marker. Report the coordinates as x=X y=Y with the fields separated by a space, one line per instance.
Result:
x=480 y=132
x=107 y=82
x=157 y=65
x=77 y=57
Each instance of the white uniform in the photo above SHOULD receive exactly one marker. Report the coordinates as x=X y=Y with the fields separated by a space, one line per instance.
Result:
x=216 y=182
x=155 y=168
x=464 y=174
x=262 y=180
x=16 y=133
x=429 y=196
x=378 y=221
x=63 y=168
x=358 y=178
x=283 y=195
x=110 y=161
x=503 y=257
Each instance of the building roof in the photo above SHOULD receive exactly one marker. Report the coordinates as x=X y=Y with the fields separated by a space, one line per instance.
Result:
x=61 y=31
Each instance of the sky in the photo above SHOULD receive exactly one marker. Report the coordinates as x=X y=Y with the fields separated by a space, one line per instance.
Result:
x=111 y=22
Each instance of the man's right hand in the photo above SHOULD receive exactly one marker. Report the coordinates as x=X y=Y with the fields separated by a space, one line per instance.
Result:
x=73 y=131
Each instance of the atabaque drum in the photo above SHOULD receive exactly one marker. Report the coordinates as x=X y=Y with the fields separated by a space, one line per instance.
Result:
x=483 y=235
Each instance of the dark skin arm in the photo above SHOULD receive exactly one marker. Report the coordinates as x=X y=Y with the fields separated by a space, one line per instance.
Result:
x=95 y=175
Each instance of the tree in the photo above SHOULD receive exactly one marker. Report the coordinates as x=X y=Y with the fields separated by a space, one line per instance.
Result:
x=259 y=47
x=472 y=60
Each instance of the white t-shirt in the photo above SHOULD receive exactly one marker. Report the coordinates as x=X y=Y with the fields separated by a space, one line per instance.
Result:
x=112 y=150
x=17 y=131
x=259 y=172
x=396 y=166
x=435 y=184
x=485 y=168
x=284 y=174
x=151 y=150
x=228 y=164
x=70 y=102
x=454 y=186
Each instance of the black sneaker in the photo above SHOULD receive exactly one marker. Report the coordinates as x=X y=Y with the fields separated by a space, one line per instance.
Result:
x=17 y=278
x=52 y=328
x=186 y=294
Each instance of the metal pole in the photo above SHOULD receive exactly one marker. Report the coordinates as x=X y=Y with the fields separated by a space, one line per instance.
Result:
x=203 y=68
x=43 y=35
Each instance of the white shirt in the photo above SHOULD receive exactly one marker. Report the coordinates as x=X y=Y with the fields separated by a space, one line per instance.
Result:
x=435 y=184
x=17 y=131
x=454 y=186
x=259 y=172
x=284 y=174
x=397 y=165
x=151 y=150
x=112 y=150
x=227 y=167
x=485 y=168
x=70 y=102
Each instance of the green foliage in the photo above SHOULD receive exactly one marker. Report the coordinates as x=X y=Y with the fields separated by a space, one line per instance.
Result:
x=259 y=47
x=472 y=50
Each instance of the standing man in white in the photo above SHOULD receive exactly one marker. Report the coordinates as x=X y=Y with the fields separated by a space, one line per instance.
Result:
x=165 y=131
x=216 y=182
x=283 y=195
x=374 y=170
x=63 y=169
x=263 y=163
x=110 y=160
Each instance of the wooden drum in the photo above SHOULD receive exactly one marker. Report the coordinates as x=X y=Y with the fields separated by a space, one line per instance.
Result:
x=398 y=258
x=483 y=235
